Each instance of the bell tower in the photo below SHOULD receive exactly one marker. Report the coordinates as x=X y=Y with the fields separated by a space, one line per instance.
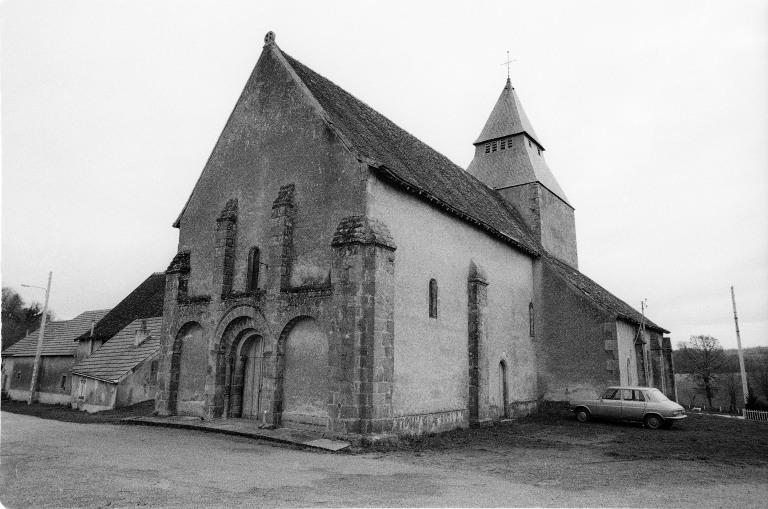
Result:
x=510 y=159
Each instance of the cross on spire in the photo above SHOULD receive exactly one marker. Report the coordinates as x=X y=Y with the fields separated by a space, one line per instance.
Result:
x=507 y=63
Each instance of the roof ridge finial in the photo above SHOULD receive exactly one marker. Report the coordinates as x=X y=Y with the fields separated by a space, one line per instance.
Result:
x=269 y=39
x=508 y=61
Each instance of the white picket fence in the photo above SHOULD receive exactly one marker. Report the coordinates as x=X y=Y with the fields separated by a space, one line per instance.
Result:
x=754 y=415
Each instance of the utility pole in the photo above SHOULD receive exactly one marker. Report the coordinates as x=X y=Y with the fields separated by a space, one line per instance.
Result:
x=40 y=336
x=744 y=387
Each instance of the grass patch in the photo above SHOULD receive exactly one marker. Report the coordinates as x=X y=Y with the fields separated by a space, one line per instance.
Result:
x=703 y=438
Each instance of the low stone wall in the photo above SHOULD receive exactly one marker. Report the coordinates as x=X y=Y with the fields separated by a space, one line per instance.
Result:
x=517 y=409
x=430 y=423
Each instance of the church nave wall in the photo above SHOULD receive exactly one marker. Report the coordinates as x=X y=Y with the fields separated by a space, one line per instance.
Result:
x=431 y=359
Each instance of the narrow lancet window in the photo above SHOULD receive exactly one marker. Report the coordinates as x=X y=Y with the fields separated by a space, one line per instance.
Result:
x=531 y=319
x=432 y=298
x=253 y=269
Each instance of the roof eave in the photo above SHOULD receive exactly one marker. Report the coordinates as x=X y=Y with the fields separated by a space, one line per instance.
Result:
x=95 y=377
x=429 y=197
x=647 y=325
x=516 y=133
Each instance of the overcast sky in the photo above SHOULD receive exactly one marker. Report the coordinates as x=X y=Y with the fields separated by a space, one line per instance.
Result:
x=654 y=116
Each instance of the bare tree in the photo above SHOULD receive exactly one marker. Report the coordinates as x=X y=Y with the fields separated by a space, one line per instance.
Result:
x=705 y=359
x=19 y=319
x=757 y=368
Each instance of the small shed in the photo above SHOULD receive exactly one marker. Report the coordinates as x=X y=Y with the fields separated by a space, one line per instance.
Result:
x=122 y=372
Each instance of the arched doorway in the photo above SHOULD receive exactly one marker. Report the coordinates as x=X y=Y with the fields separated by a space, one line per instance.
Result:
x=248 y=379
x=189 y=366
x=504 y=389
x=304 y=349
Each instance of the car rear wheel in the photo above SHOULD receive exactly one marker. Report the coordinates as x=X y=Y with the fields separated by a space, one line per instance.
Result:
x=653 y=421
x=582 y=415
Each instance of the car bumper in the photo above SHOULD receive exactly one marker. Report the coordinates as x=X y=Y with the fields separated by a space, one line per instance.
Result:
x=676 y=417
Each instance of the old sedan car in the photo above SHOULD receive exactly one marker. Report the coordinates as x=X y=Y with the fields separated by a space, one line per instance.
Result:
x=643 y=404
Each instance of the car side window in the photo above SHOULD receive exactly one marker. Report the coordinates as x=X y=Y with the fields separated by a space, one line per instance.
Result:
x=612 y=394
x=626 y=394
x=639 y=396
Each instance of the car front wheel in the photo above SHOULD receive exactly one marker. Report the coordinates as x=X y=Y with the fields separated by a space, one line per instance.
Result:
x=653 y=421
x=582 y=415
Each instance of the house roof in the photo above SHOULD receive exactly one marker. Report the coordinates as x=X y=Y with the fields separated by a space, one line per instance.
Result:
x=399 y=157
x=59 y=336
x=145 y=301
x=507 y=118
x=599 y=295
x=120 y=355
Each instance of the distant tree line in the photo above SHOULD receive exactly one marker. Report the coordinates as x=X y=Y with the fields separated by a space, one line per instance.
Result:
x=19 y=318
x=714 y=371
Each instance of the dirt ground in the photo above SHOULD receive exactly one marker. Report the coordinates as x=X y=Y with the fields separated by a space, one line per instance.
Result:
x=707 y=461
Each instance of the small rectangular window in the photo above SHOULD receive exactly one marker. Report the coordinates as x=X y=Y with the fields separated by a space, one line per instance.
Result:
x=153 y=371
x=493 y=146
x=503 y=144
x=487 y=147
x=63 y=384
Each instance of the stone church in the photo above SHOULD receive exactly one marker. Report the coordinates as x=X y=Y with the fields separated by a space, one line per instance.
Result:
x=336 y=273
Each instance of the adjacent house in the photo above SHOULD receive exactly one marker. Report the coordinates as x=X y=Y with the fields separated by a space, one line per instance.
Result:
x=122 y=372
x=58 y=357
x=144 y=301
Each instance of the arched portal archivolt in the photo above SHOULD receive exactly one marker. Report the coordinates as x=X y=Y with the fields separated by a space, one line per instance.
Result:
x=240 y=325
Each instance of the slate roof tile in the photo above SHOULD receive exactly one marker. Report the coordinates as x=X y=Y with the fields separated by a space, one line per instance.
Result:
x=59 y=336
x=145 y=301
x=600 y=295
x=507 y=118
x=120 y=355
x=407 y=161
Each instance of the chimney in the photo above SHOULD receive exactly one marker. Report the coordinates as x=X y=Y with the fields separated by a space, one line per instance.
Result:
x=141 y=334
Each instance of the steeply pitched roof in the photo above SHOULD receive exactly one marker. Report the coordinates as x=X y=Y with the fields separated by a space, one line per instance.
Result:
x=59 y=336
x=507 y=118
x=521 y=162
x=599 y=295
x=145 y=301
x=405 y=160
x=397 y=156
x=120 y=355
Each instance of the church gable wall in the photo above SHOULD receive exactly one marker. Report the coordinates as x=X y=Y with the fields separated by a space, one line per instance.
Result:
x=273 y=138
x=576 y=342
x=431 y=359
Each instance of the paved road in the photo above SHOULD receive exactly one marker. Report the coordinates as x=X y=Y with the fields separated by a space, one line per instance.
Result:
x=48 y=463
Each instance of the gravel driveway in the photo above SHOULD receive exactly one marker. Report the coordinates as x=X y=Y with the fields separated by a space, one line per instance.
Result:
x=47 y=463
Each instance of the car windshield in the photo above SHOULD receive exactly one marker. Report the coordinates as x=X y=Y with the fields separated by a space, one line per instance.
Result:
x=656 y=396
